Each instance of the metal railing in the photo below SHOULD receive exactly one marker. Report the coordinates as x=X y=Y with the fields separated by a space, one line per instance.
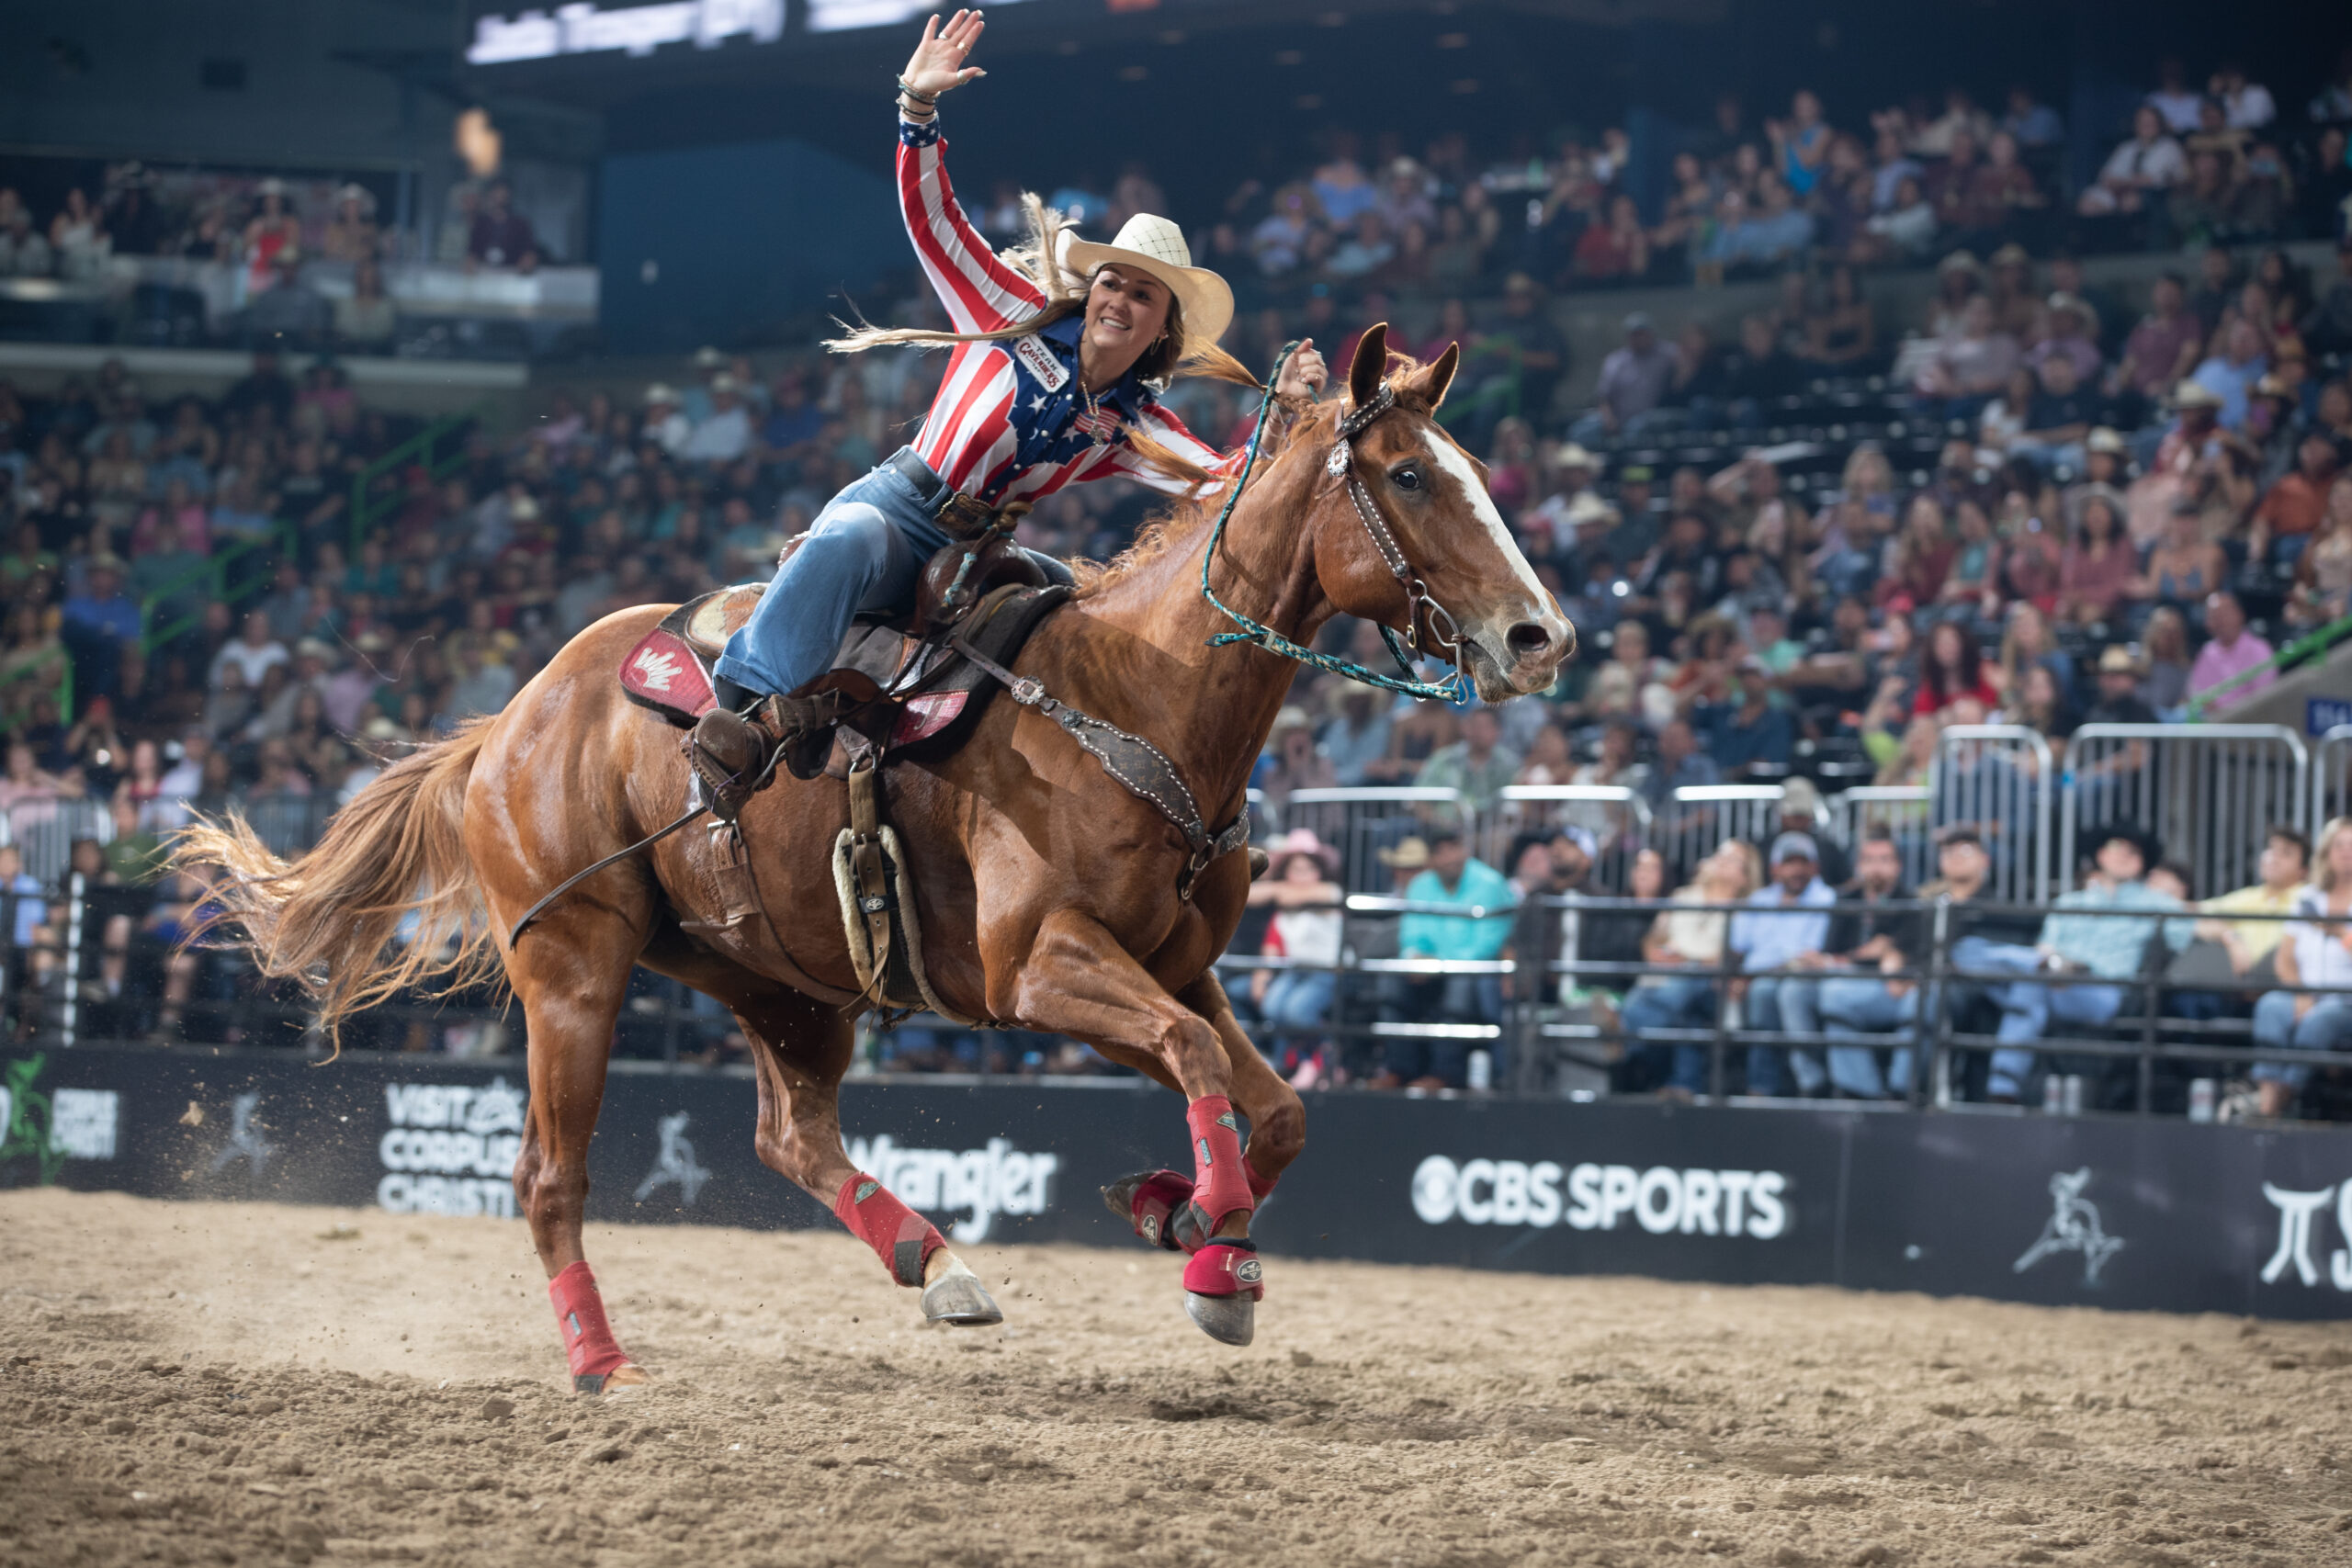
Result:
x=1996 y=779
x=369 y=500
x=2331 y=779
x=2206 y=790
x=1700 y=817
x=1362 y=822
x=1617 y=817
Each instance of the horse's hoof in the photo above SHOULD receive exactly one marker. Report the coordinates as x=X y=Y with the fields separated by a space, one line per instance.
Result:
x=627 y=1375
x=1228 y=1320
x=960 y=1300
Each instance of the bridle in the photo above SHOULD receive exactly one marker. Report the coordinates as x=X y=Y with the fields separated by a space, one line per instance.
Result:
x=1445 y=633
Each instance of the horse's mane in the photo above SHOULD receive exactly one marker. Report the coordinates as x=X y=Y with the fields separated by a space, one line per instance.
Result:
x=1175 y=523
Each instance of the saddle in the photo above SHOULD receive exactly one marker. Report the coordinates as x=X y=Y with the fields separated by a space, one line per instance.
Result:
x=895 y=680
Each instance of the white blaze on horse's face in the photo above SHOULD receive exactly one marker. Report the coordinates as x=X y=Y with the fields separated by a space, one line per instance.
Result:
x=1518 y=643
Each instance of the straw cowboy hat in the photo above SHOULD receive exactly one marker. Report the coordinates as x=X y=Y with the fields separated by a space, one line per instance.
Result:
x=1154 y=245
x=1411 y=855
x=2195 y=395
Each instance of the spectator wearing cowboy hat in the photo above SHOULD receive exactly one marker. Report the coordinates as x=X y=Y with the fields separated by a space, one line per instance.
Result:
x=2106 y=950
x=665 y=424
x=1301 y=887
x=1291 y=761
x=726 y=434
x=1542 y=931
x=352 y=234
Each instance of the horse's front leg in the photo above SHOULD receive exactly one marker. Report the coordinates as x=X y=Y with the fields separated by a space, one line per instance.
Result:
x=1277 y=1118
x=1078 y=980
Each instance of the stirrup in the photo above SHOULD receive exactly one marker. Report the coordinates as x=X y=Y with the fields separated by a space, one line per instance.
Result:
x=729 y=755
x=804 y=730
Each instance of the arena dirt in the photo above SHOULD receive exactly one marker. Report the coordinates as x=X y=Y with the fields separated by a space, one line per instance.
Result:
x=248 y=1383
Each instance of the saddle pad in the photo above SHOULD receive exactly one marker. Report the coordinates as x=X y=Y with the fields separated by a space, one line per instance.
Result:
x=663 y=672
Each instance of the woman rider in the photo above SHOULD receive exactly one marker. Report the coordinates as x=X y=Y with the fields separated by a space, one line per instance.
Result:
x=1060 y=354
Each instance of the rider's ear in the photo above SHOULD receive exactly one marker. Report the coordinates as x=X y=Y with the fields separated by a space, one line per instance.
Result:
x=1371 y=365
x=1433 y=380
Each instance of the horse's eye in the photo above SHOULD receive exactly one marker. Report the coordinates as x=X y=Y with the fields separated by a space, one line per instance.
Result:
x=1407 y=478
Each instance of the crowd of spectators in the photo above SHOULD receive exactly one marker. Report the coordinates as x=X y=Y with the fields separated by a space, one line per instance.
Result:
x=2048 y=502
x=273 y=235
x=1750 y=196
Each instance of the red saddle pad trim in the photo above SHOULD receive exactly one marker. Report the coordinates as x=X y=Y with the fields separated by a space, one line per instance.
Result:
x=926 y=715
x=665 y=673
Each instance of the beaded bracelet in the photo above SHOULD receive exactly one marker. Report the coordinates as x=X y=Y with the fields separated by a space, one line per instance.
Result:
x=919 y=97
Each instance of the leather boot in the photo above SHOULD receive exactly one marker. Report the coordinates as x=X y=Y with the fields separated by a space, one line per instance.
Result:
x=729 y=754
x=805 y=729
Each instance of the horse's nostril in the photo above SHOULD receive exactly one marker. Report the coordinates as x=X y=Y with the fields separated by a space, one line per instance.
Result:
x=1528 y=639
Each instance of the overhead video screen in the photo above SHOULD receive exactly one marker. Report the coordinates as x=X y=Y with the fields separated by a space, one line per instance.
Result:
x=585 y=27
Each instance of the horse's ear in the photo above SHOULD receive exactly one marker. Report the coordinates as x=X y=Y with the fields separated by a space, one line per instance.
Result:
x=1371 y=365
x=1435 y=378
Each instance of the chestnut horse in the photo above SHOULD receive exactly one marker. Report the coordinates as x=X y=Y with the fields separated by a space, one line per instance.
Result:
x=1047 y=893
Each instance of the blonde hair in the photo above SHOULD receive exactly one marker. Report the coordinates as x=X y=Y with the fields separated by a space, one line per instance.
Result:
x=2323 y=873
x=1038 y=259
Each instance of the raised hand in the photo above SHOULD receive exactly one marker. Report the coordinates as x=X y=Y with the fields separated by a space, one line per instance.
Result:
x=1306 y=373
x=937 y=62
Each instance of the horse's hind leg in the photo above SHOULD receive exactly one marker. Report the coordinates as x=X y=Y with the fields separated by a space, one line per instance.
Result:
x=801 y=1048
x=571 y=974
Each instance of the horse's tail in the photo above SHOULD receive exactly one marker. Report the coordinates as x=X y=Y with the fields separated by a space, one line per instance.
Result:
x=337 y=920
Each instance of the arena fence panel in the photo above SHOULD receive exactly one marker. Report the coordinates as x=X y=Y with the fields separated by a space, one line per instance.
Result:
x=1362 y=822
x=1701 y=816
x=1901 y=810
x=2206 y=790
x=1618 y=817
x=1996 y=778
x=2331 y=779
x=44 y=832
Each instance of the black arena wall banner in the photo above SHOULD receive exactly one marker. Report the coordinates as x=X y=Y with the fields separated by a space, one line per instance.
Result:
x=2102 y=1212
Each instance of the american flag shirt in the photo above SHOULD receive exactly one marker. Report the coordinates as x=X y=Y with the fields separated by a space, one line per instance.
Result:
x=1011 y=422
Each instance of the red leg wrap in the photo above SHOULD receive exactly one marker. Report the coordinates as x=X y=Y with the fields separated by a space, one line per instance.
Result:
x=1225 y=1268
x=1259 y=1185
x=580 y=1312
x=1219 y=1186
x=901 y=1239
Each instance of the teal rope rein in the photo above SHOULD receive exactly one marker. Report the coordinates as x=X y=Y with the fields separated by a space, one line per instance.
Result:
x=1449 y=689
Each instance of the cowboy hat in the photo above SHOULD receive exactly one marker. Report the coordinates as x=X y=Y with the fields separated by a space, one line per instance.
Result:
x=1411 y=855
x=2195 y=395
x=2105 y=439
x=1154 y=245
x=1301 y=841
x=2118 y=660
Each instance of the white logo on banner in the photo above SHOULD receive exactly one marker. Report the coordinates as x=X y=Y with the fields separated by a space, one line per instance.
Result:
x=1661 y=1199
x=999 y=1180
x=2073 y=1226
x=82 y=1121
x=245 y=1142
x=451 y=1148
x=581 y=29
x=2296 y=1212
x=674 y=1165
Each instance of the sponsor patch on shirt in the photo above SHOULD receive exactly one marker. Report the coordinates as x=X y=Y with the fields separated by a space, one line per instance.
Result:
x=1041 y=363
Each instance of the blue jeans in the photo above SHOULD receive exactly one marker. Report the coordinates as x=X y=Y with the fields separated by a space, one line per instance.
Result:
x=1672 y=1003
x=1297 y=1000
x=1783 y=1006
x=1854 y=1007
x=2327 y=1027
x=865 y=552
x=2027 y=1008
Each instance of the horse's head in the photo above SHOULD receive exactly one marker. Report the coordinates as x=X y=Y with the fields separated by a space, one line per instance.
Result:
x=1448 y=569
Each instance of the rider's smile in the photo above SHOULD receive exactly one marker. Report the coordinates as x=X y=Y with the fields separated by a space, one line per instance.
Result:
x=1126 y=314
